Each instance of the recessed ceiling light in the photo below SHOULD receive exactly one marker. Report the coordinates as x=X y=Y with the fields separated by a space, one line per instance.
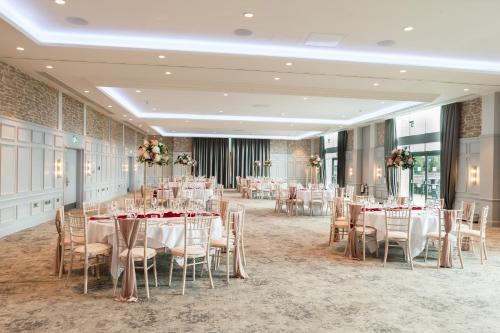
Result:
x=248 y=15
x=402 y=71
x=161 y=56
x=277 y=79
x=124 y=116
x=289 y=64
x=466 y=89
x=343 y=116
x=376 y=84
x=283 y=114
x=60 y=2
x=154 y=109
x=168 y=73
x=86 y=91
x=241 y=122
x=306 y=98
x=407 y=29
x=226 y=94
x=129 y=119
x=140 y=125
x=186 y=121
x=19 y=48
x=221 y=111
x=214 y=132
x=382 y=102
x=49 y=67
x=110 y=106
x=292 y=125
x=138 y=91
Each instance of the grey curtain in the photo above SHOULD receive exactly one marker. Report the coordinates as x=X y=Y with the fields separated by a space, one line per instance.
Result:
x=212 y=156
x=341 y=158
x=450 y=122
x=245 y=152
x=322 y=154
x=390 y=142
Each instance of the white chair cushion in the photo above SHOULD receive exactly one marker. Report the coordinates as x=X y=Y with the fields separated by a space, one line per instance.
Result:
x=192 y=251
x=401 y=235
x=368 y=230
x=138 y=253
x=94 y=249
x=221 y=243
x=341 y=224
x=473 y=233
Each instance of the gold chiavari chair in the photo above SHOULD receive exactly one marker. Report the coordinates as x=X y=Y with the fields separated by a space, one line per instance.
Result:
x=397 y=230
x=477 y=235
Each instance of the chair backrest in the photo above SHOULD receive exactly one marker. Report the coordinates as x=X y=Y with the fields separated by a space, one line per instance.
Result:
x=142 y=234
x=398 y=219
x=340 y=192
x=468 y=209
x=483 y=220
x=292 y=192
x=91 y=208
x=402 y=201
x=59 y=221
x=360 y=198
x=77 y=226
x=356 y=215
x=434 y=203
x=444 y=214
x=349 y=191
x=317 y=195
x=236 y=216
x=197 y=231
x=338 y=209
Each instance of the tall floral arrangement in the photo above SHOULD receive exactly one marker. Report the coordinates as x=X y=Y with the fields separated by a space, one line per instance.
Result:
x=315 y=161
x=152 y=152
x=257 y=164
x=185 y=159
x=400 y=158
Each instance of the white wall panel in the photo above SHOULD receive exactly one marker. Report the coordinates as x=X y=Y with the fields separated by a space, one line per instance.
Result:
x=48 y=169
x=8 y=132
x=36 y=169
x=8 y=158
x=23 y=169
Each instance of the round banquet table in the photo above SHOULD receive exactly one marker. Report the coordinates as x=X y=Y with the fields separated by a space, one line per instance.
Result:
x=162 y=233
x=305 y=195
x=421 y=223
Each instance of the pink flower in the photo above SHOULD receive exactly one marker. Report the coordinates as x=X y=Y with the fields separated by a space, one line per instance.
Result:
x=410 y=161
x=141 y=151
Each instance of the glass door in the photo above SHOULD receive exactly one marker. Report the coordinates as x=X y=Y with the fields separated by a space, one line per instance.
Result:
x=334 y=171
x=425 y=178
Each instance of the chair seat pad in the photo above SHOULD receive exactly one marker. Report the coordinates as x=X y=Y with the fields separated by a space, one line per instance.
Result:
x=320 y=202
x=473 y=233
x=220 y=243
x=94 y=249
x=340 y=218
x=193 y=251
x=138 y=253
x=368 y=230
x=400 y=235
x=341 y=223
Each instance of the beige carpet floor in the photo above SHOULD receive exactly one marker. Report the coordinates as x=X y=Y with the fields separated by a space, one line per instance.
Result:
x=297 y=284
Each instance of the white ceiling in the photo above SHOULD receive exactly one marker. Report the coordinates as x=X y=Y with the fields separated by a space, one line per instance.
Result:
x=444 y=59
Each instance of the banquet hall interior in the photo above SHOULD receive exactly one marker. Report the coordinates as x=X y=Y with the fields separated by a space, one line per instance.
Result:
x=252 y=166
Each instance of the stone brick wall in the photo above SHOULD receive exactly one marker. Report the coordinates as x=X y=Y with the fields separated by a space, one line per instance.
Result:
x=350 y=140
x=97 y=125
x=380 y=134
x=116 y=132
x=470 y=118
x=72 y=115
x=183 y=144
x=299 y=147
x=25 y=98
x=279 y=146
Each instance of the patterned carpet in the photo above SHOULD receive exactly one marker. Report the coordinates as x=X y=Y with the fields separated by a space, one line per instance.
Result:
x=297 y=283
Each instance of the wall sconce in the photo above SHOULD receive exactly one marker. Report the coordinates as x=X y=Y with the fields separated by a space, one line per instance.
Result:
x=350 y=172
x=135 y=167
x=88 y=168
x=474 y=175
x=379 y=173
x=59 y=169
x=125 y=168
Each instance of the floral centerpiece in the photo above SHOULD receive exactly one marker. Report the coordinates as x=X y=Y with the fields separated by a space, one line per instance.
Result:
x=400 y=158
x=257 y=164
x=315 y=161
x=153 y=152
x=268 y=163
x=185 y=159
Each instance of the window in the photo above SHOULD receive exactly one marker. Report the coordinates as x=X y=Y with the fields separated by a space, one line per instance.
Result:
x=331 y=142
x=419 y=131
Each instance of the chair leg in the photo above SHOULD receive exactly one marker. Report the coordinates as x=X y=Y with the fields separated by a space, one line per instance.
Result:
x=115 y=284
x=376 y=243
x=459 y=245
x=70 y=268
x=227 y=265
x=85 y=274
x=171 y=270
x=481 y=251
x=410 y=258
x=61 y=264
x=243 y=251
x=209 y=275
x=363 y=240
x=331 y=234
x=154 y=272
x=194 y=269
x=146 y=279
x=386 y=250
x=484 y=249
x=184 y=271
x=426 y=249
x=439 y=254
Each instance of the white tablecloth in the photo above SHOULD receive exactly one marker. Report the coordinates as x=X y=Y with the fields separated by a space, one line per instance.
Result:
x=198 y=193
x=160 y=235
x=421 y=223
x=305 y=195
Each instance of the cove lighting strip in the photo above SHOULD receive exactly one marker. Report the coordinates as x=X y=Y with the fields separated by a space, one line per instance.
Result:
x=162 y=132
x=14 y=12
x=121 y=99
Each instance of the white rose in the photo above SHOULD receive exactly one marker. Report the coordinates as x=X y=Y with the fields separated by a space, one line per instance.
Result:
x=156 y=149
x=146 y=155
x=157 y=158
